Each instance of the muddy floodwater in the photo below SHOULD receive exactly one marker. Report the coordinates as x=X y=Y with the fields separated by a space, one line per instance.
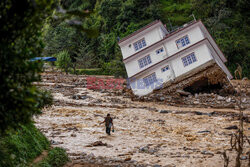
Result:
x=145 y=133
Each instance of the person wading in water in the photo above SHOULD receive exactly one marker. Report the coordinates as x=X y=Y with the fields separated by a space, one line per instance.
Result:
x=108 y=123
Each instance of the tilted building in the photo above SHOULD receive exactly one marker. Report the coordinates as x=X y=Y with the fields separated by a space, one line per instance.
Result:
x=155 y=57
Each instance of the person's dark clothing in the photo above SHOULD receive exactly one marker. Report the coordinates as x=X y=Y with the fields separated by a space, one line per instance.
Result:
x=108 y=121
x=108 y=124
x=108 y=130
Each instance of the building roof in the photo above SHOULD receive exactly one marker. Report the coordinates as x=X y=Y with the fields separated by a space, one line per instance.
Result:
x=140 y=30
x=43 y=58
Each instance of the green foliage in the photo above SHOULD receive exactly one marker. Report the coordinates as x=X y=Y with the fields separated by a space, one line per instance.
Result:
x=115 y=67
x=176 y=13
x=63 y=60
x=228 y=23
x=113 y=19
x=19 y=148
x=21 y=23
x=57 y=157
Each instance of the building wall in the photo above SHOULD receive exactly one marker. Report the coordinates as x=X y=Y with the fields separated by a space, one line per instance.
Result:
x=151 y=37
x=195 y=34
x=176 y=68
x=202 y=55
x=169 y=47
x=132 y=67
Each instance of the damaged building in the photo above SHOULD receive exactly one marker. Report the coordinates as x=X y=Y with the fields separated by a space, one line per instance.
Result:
x=184 y=59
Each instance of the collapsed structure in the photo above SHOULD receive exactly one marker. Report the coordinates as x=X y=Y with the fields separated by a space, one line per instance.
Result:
x=187 y=58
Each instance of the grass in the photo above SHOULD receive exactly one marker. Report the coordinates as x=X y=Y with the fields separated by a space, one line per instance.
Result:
x=20 y=147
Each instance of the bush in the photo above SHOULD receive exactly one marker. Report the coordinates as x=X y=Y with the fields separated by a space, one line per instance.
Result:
x=21 y=147
x=57 y=157
x=63 y=60
x=115 y=68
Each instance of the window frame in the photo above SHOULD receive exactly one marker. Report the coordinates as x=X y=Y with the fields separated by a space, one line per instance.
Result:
x=139 y=44
x=189 y=59
x=183 y=39
x=144 y=61
x=150 y=79
x=160 y=50
x=167 y=66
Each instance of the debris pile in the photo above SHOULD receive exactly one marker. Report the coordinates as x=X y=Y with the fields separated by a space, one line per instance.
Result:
x=150 y=134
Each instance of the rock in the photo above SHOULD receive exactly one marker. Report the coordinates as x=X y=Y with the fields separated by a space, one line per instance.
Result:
x=244 y=100
x=84 y=97
x=127 y=159
x=228 y=100
x=84 y=154
x=220 y=98
x=206 y=153
x=204 y=131
x=156 y=165
x=165 y=111
x=162 y=98
x=196 y=102
x=74 y=129
x=73 y=135
x=97 y=143
x=109 y=146
x=198 y=113
x=76 y=97
x=231 y=127
x=55 y=142
x=152 y=151
x=143 y=149
x=211 y=113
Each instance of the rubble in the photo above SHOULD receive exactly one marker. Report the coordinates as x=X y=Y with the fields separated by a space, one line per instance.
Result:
x=157 y=132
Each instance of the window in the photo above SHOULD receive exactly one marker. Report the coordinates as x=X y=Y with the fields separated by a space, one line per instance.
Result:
x=140 y=44
x=189 y=59
x=150 y=79
x=144 y=61
x=165 y=68
x=159 y=51
x=182 y=42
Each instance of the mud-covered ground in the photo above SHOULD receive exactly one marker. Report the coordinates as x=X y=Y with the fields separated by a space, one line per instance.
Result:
x=146 y=133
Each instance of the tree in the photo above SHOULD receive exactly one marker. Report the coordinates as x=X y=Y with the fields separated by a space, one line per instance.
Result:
x=228 y=22
x=63 y=60
x=21 y=23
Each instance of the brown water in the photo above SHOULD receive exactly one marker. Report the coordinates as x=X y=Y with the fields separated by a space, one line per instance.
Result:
x=170 y=138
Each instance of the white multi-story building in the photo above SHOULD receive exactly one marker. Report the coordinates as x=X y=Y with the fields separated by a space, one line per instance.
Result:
x=153 y=56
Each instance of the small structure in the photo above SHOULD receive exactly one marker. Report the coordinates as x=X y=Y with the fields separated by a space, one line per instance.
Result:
x=43 y=59
x=186 y=58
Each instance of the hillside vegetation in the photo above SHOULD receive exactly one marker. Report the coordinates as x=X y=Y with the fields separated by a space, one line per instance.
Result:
x=20 y=147
x=227 y=21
